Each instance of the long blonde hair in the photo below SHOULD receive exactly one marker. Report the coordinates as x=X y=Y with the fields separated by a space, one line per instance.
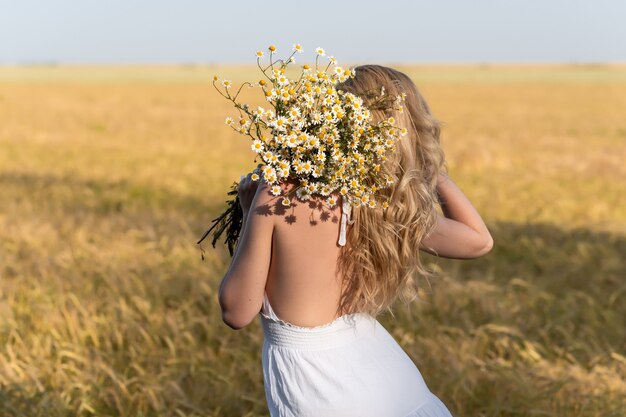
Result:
x=382 y=253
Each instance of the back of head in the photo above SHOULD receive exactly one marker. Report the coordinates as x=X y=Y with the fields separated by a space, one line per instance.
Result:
x=382 y=257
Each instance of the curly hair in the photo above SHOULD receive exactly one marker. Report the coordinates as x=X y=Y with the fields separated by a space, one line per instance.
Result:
x=378 y=263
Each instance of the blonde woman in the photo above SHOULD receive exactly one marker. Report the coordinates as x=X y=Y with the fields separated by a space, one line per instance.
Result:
x=325 y=354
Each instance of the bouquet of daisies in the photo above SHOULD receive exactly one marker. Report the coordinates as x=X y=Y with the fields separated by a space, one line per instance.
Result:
x=314 y=132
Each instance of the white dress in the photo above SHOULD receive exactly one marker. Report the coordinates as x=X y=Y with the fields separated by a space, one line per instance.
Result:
x=347 y=368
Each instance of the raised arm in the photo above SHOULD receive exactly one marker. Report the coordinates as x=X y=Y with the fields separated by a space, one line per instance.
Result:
x=242 y=288
x=461 y=234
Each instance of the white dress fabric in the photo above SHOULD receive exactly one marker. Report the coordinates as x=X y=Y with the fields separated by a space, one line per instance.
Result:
x=347 y=368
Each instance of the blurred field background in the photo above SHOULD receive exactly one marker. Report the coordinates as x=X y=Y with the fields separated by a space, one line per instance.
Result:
x=109 y=175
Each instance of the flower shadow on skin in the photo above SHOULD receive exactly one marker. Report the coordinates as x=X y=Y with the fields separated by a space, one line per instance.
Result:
x=276 y=208
x=325 y=214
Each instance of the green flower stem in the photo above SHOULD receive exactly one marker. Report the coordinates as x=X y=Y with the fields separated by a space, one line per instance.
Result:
x=228 y=222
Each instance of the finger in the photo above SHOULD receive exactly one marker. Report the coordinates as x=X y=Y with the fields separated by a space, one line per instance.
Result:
x=245 y=181
x=246 y=177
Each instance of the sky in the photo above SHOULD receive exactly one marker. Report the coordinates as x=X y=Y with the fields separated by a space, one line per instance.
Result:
x=217 y=31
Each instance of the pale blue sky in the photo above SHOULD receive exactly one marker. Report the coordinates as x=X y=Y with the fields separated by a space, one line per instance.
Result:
x=194 y=31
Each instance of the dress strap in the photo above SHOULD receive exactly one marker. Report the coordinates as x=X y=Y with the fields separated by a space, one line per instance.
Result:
x=346 y=218
x=267 y=307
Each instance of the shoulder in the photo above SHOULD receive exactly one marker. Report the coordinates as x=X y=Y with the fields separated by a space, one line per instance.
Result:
x=263 y=200
x=272 y=195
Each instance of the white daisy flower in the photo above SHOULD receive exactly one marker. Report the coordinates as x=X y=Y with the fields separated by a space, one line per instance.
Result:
x=297 y=165
x=257 y=146
x=243 y=124
x=320 y=51
x=331 y=201
x=267 y=155
x=302 y=194
x=229 y=121
x=313 y=141
x=298 y=124
x=271 y=95
x=284 y=94
x=328 y=117
x=275 y=190
x=294 y=113
x=297 y=47
x=292 y=141
x=279 y=123
x=317 y=171
x=227 y=83
x=282 y=79
x=316 y=117
x=284 y=164
x=267 y=170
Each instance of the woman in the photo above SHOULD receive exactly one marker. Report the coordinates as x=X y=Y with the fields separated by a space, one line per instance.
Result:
x=324 y=353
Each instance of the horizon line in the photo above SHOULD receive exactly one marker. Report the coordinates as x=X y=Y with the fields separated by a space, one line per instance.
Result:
x=52 y=63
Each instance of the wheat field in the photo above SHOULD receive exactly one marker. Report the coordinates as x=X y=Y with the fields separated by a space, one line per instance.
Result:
x=109 y=175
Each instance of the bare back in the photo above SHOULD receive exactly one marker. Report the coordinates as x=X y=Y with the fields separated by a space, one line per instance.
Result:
x=303 y=284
